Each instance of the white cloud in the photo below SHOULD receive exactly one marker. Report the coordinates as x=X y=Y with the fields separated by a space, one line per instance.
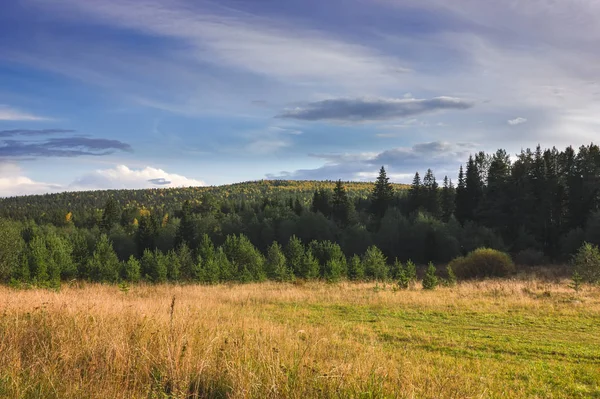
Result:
x=14 y=182
x=517 y=121
x=12 y=114
x=122 y=177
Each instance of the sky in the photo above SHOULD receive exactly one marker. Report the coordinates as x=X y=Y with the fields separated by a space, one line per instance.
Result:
x=110 y=94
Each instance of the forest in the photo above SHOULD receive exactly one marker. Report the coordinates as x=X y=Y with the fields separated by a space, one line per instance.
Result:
x=538 y=207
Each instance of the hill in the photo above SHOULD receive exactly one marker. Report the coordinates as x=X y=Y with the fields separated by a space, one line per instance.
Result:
x=80 y=203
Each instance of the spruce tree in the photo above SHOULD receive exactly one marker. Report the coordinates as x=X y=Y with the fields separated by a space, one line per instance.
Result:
x=375 y=264
x=431 y=195
x=447 y=201
x=415 y=194
x=382 y=195
x=294 y=253
x=342 y=207
x=430 y=280
x=104 y=264
x=356 y=269
x=132 y=270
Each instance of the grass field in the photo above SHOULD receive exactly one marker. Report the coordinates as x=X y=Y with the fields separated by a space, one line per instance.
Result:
x=493 y=339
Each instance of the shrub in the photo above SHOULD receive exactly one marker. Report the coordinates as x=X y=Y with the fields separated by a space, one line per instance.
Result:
x=530 y=257
x=430 y=280
x=483 y=262
x=586 y=263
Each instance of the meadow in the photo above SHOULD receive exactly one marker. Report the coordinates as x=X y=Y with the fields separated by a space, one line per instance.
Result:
x=489 y=339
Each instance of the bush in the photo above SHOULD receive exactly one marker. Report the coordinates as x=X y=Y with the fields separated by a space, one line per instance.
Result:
x=530 y=257
x=586 y=263
x=483 y=262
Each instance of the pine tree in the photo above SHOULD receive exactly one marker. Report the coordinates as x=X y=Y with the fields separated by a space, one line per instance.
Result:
x=411 y=271
x=186 y=261
x=356 y=269
x=276 y=264
x=310 y=266
x=461 y=209
x=430 y=280
x=431 y=195
x=447 y=201
x=104 y=264
x=294 y=253
x=132 y=270
x=110 y=215
x=342 y=207
x=375 y=264
x=187 y=232
x=415 y=194
x=382 y=195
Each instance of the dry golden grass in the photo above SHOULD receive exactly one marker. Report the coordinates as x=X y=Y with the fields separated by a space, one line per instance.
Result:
x=476 y=340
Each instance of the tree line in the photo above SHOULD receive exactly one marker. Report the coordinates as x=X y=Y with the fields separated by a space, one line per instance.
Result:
x=540 y=207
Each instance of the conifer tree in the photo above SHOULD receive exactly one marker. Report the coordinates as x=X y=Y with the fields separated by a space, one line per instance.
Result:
x=382 y=195
x=132 y=270
x=104 y=264
x=375 y=264
x=342 y=207
x=310 y=266
x=447 y=201
x=276 y=264
x=356 y=269
x=294 y=252
x=415 y=194
x=430 y=280
x=431 y=195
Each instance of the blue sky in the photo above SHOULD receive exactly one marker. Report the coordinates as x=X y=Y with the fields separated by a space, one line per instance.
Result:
x=161 y=93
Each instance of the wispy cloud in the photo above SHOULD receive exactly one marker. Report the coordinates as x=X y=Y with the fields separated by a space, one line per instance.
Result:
x=61 y=147
x=372 y=109
x=401 y=162
x=33 y=132
x=12 y=114
x=517 y=121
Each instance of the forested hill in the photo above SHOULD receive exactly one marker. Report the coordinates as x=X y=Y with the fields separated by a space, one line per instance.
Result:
x=88 y=205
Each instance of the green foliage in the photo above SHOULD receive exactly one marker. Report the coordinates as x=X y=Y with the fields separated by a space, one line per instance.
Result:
x=331 y=258
x=132 y=270
x=382 y=194
x=402 y=278
x=411 y=271
x=333 y=270
x=430 y=280
x=11 y=245
x=248 y=261
x=586 y=263
x=483 y=262
x=104 y=264
x=186 y=262
x=276 y=264
x=356 y=269
x=375 y=264
x=451 y=276
x=173 y=266
x=576 y=281
x=294 y=253
x=310 y=266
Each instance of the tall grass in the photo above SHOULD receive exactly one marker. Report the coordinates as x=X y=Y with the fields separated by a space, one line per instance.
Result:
x=479 y=339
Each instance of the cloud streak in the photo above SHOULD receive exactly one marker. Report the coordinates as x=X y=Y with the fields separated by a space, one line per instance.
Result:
x=372 y=109
x=402 y=162
x=33 y=132
x=12 y=114
x=61 y=147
